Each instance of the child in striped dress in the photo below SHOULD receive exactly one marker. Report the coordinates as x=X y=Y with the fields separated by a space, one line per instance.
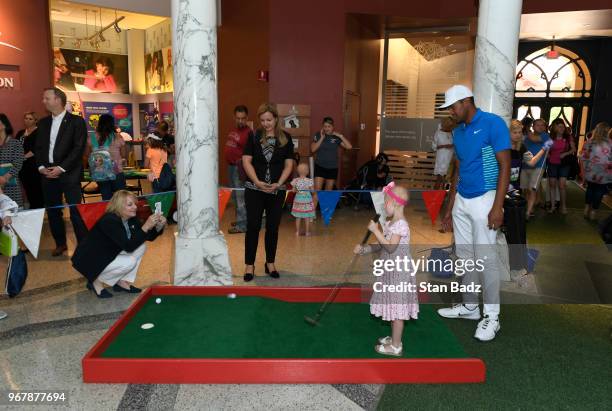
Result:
x=303 y=206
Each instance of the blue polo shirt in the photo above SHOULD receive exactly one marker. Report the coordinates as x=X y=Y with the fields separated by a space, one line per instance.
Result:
x=535 y=148
x=476 y=144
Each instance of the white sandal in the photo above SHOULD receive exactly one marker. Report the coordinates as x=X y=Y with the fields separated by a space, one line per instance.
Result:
x=389 y=349
x=384 y=340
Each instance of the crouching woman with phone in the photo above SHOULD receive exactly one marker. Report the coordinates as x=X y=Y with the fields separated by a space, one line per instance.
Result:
x=112 y=251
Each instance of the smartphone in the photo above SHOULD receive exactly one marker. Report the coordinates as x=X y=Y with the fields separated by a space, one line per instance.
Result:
x=158 y=208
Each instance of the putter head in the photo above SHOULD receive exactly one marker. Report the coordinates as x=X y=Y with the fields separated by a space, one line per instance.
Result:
x=311 y=321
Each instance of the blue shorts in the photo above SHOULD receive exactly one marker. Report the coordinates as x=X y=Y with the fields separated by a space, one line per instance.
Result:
x=557 y=171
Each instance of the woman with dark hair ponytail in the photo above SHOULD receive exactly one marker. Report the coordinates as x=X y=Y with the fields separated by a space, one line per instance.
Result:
x=106 y=139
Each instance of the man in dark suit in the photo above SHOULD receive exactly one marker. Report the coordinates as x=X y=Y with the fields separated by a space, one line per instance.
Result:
x=60 y=144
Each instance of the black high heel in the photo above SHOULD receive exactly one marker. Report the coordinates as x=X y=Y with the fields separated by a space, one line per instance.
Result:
x=249 y=276
x=103 y=294
x=273 y=274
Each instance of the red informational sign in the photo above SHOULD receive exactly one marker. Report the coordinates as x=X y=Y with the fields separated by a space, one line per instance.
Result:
x=9 y=78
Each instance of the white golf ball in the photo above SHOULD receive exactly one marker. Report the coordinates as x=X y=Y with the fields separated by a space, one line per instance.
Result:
x=157 y=300
x=231 y=295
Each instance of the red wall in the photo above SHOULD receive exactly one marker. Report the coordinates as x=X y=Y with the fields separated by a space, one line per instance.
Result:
x=25 y=24
x=242 y=51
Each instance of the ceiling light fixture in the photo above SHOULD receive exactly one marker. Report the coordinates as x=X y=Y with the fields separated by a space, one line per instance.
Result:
x=552 y=54
x=115 y=25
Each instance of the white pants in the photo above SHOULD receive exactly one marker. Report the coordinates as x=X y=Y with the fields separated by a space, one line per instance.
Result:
x=475 y=241
x=123 y=267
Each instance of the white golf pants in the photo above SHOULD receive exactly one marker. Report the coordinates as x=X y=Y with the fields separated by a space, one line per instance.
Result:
x=475 y=241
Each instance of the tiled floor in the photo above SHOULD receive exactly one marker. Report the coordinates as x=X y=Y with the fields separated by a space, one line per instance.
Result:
x=55 y=321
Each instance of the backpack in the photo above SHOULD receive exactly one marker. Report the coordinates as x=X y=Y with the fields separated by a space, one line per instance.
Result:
x=101 y=165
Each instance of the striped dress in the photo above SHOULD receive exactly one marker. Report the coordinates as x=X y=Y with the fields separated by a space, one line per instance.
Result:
x=303 y=206
x=11 y=157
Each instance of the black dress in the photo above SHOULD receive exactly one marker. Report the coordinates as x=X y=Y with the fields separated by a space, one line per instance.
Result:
x=29 y=175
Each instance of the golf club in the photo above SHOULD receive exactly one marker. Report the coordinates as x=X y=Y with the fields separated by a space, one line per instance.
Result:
x=334 y=292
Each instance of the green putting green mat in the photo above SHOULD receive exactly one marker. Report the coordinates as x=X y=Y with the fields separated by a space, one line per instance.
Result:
x=257 y=327
x=545 y=357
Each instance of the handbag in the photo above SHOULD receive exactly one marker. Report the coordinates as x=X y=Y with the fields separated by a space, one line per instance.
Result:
x=8 y=242
x=16 y=274
x=166 y=180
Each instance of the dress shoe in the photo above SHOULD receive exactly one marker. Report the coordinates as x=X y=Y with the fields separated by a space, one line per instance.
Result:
x=273 y=274
x=103 y=294
x=132 y=290
x=59 y=250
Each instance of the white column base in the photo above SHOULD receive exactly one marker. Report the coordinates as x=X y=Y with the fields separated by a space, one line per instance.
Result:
x=202 y=261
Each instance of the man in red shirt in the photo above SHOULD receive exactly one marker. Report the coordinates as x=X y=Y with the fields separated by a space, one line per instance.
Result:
x=234 y=146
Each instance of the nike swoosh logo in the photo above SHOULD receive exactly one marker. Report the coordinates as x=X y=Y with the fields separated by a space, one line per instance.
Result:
x=477 y=131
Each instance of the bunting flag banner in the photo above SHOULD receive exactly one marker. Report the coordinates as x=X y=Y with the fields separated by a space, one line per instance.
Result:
x=433 y=202
x=378 y=199
x=166 y=200
x=328 y=200
x=91 y=213
x=224 y=196
x=28 y=226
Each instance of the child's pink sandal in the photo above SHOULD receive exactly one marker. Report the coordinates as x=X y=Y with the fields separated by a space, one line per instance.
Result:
x=389 y=349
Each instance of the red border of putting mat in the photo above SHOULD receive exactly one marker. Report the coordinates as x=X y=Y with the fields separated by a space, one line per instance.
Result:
x=257 y=371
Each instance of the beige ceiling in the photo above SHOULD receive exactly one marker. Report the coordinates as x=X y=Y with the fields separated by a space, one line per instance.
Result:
x=566 y=25
x=72 y=12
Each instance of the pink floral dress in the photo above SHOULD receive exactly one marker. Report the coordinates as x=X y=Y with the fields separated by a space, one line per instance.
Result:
x=396 y=305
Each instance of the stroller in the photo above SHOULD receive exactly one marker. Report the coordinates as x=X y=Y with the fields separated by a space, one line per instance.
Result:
x=367 y=178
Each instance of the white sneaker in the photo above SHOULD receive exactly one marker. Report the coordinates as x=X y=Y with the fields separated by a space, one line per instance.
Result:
x=2 y=315
x=487 y=329
x=460 y=311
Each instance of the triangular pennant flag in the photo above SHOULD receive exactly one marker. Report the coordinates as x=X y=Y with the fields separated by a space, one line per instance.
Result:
x=165 y=199
x=328 y=201
x=224 y=196
x=28 y=226
x=378 y=199
x=433 y=201
x=91 y=213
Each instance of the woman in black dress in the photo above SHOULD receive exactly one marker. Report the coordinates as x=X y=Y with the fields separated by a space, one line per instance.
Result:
x=29 y=175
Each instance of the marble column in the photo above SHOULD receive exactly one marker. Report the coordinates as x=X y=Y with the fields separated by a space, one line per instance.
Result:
x=201 y=250
x=496 y=49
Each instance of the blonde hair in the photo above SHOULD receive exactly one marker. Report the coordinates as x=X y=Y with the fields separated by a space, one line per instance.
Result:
x=303 y=165
x=116 y=204
x=601 y=132
x=516 y=125
x=278 y=133
x=31 y=113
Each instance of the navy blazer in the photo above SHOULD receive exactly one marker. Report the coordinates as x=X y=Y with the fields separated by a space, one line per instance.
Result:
x=69 y=146
x=105 y=241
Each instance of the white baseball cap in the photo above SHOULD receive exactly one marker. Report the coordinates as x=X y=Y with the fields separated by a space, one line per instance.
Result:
x=454 y=94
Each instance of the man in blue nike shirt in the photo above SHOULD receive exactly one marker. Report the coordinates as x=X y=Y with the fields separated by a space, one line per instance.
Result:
x=482 y=147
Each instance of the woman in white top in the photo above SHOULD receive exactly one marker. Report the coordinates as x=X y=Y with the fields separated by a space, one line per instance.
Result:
x=443 y=146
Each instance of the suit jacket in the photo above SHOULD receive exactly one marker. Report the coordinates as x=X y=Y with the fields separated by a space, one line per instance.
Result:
x=69 y=146
x=105 y=241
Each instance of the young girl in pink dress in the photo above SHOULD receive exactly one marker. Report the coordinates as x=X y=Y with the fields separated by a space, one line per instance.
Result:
x=394 y=241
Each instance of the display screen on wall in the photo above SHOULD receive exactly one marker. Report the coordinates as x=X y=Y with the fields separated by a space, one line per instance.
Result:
x=408 y=134
x=122 y=112
x=158 y=71
x=166 y=110
x=90 y=72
